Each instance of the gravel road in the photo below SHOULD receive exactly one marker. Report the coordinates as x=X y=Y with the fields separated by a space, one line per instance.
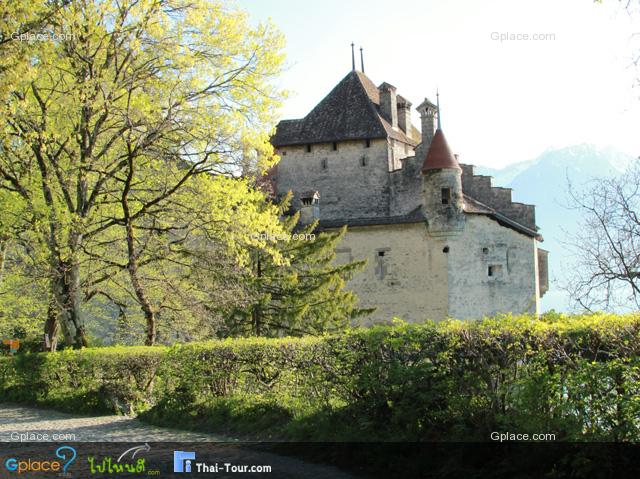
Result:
x=86 y=433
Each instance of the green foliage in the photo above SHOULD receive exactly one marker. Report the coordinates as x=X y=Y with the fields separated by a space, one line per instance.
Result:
x=97 y=380
x=110 y=134
x=575 y=376
x=300 y=290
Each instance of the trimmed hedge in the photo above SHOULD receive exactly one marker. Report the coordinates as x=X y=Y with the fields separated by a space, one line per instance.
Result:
x=95 y=380
x=574 y=376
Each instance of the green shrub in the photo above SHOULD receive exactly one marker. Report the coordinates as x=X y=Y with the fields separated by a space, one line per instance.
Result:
x=100 y=380
x=575 y=376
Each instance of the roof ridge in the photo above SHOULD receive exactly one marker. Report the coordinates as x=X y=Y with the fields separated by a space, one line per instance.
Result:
x=371 y=102
x=350 y=111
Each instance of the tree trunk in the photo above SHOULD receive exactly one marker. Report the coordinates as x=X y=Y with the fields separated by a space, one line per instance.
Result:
x=4 y=246
x=132 y=264
x=74 y=309
x=255 y=316
x=256 y=312
x=51 y=329
x=145 y=304
x=67 y=295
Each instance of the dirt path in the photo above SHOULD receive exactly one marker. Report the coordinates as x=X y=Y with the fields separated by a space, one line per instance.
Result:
x=68 y=428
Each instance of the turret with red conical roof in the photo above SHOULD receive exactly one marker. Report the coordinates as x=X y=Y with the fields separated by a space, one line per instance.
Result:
x=442 y=185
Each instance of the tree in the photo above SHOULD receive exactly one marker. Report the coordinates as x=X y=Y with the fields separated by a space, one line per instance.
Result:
x=188 y=260
x=180 y=88
x=306 y=293
x=607 y=245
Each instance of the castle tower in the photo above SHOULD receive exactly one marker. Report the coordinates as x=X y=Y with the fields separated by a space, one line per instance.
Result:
x=442 y=188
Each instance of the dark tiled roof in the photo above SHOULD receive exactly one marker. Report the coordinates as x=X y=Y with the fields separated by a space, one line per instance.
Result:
x=415 y=216
x=473 y=206
x=351 y=111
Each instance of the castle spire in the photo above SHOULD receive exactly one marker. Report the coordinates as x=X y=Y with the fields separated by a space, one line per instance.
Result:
x=353 y=58
x=439 y=155
x=361 y=60
x=438 y=108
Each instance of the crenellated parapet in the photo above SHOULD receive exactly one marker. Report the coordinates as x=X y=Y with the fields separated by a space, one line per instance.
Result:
x=480 y=188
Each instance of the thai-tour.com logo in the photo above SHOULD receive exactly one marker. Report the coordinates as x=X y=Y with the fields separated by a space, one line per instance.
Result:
x=185 y=461
x=182 y=461
x=64 y=457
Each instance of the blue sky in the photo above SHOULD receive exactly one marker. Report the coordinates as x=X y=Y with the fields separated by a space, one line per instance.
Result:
x=502 y=101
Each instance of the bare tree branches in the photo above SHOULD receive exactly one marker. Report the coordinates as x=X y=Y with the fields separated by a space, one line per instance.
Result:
x=607 y=245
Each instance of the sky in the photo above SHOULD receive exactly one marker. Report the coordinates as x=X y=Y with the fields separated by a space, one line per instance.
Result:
x=502 y=100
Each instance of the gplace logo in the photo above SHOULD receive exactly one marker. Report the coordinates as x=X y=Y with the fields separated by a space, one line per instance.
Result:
x=182 y=461
x=66 y=453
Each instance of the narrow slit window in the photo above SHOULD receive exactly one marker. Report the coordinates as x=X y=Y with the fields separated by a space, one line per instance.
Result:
x=446 y=196
x=363 y=161
x=309 y=148
x=334 y=146
x=367 y=143
x=325 y=164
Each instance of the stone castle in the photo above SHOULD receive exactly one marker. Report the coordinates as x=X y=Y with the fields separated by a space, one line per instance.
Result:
x=440 y=240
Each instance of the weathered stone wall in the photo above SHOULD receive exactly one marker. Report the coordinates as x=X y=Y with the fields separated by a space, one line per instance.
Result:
x=347 y=188
x=443 y=218
x=419 y=276
x=398 y=151
x=406 y=274
x=543 y=271
x=513 y=283
x=406 y=187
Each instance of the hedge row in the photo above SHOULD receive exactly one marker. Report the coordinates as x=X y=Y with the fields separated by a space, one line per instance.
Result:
x=574 y=376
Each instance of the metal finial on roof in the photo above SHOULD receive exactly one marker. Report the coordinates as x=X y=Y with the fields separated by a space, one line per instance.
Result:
x=353 y=58
x=438 y=108
x=361 y=60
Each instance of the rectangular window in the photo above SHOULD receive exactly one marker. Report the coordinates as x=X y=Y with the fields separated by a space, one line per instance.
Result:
x=367 y=143
x=446 y=196
x=309 y=148
x=334 y=145
x=382 y=262
x=494 y=271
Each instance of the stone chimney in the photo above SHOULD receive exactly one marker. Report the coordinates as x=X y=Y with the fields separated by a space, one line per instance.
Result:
x=309 y=207
x=404 y=114
x=428 y=112
x=389 y=104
